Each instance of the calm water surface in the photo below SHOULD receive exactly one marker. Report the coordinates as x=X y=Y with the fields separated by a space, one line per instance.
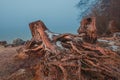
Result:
x=59 y=16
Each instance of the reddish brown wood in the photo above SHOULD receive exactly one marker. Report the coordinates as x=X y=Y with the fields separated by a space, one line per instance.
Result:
x=88 y=27
x=78 y=59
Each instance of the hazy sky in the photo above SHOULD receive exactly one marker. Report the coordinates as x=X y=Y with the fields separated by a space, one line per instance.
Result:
x=59 y=16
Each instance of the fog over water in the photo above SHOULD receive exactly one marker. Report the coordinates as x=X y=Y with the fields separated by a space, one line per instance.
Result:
x=60 y=16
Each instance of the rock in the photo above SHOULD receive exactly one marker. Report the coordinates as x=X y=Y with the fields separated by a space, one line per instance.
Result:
x=18 y=42
x=111 y=43
x=3 y=43
x=113 y=48
x=117 y=42
x=116 y=35
x=8 y=45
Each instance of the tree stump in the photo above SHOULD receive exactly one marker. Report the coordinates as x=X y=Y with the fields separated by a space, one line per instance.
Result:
x=88 y=27
x=54 y=56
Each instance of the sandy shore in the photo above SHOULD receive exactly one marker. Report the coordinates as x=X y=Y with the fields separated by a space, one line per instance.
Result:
x=7 y=61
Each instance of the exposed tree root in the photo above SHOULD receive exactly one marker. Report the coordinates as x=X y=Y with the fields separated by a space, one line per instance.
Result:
x=70 y=59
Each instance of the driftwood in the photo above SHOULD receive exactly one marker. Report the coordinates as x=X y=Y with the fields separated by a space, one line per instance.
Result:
x=68 y=57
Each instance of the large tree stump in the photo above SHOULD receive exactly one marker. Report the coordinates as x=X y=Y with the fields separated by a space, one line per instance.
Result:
x=67 y=57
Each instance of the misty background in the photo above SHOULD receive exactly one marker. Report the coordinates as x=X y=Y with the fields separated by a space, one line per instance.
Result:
x=60 y=16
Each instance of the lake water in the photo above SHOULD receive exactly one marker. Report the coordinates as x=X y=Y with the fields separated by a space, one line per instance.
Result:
x=60 y=16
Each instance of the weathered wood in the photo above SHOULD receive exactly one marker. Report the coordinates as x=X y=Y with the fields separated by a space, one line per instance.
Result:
x=40 y=33
x=88 y=27
x=78 y=59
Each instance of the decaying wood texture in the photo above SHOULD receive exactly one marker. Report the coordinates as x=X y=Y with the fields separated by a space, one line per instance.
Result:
x=88 y=27
x=69 y=57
